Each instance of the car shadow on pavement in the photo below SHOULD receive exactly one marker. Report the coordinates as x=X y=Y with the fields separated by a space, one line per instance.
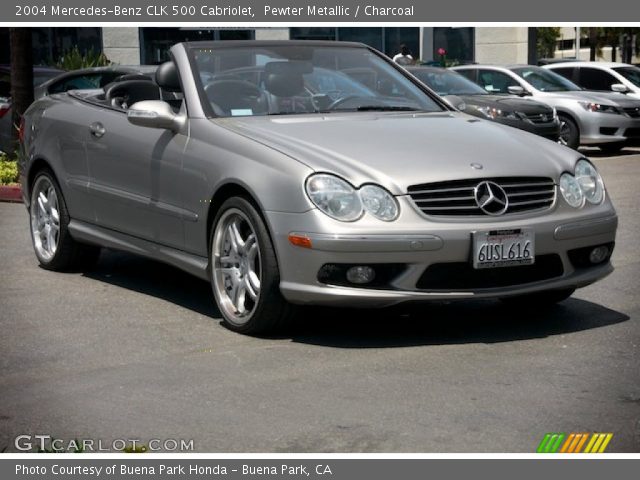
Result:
x=473 y=321
x=155 y=279
x=597 y=153
x=478 y=321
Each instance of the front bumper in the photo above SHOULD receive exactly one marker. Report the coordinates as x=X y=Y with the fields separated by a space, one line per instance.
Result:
x=417 y=242
x=602 y=128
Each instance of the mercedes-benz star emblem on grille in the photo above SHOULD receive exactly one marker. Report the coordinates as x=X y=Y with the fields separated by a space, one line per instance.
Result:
x=491 y=198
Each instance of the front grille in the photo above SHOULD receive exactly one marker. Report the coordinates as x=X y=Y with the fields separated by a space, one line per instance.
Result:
x=457 y=197
x=462 y=275
x=633 y=112
x=539 y=117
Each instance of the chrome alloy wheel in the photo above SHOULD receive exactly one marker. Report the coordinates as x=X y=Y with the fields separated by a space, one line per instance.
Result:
x=565 y=133
x=45 y=219
x=236 y=266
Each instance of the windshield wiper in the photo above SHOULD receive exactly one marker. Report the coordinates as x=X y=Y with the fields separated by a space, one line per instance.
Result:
x=387 y=108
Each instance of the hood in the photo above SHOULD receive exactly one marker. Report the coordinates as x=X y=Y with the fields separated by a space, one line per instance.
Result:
x=605 y=98
x=399 y=150
x=508 y=103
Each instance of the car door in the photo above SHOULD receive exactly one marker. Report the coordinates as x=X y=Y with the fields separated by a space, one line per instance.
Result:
x=596 y=79
x=135 y=177
x=496 y=82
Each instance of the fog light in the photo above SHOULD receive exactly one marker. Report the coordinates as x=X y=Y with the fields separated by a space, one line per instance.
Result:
x=599 y=254
x=361 y=274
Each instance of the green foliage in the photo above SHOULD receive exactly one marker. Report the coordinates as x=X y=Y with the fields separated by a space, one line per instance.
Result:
x=547 y=40
x=74 y=59
x=135 y=449
x=8 y=170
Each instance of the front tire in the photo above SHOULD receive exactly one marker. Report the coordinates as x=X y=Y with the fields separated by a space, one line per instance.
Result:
x=539 y=299
x=244 y=271
x=49 y=219
x=569 y=132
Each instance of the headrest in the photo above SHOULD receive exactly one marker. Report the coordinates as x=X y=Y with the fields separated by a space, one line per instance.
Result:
x=285 y=79
x=167 y=77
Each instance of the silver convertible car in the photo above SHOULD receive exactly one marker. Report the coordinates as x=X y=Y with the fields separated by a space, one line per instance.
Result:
x=310 y=173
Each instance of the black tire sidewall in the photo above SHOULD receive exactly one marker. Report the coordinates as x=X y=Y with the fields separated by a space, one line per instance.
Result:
x=574 y=139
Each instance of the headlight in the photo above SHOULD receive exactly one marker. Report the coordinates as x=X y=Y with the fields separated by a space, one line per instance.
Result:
x=338 y=199
x=599 y=108
x=495 y=113
x=379 y=203
x=335 y=197
x=571 y=190
x=590 y=181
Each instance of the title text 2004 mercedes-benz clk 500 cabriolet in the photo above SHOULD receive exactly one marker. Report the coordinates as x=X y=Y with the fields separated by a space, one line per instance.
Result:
x=310 y=173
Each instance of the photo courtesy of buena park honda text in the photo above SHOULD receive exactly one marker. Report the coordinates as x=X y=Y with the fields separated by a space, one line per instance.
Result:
x=288 y=239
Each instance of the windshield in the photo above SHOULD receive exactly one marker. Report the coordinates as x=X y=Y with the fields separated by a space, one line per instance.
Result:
x=545 y=80
x=445 y=82
x=297 y=78
x=630 y=73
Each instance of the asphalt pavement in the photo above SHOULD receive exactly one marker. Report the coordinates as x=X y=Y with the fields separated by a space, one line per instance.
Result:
x=133 y=349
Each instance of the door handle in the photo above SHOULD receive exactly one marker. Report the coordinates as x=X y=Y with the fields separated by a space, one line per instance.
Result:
x=97 y=129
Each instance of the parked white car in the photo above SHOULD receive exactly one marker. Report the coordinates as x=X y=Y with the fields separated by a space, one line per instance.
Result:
x=602 y=76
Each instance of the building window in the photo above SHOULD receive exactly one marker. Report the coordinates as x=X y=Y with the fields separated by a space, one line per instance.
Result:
x=155 y=42
x=386 y=39
x=312 y=33
x=458 y=43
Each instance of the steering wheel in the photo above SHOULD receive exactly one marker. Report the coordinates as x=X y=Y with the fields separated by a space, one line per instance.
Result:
x=226 y=94
x=340 y=101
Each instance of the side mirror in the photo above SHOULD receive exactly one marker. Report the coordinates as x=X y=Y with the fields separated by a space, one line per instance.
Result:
x=620 y=88
x=516 y=90
x=455 y=101
x=154 y=114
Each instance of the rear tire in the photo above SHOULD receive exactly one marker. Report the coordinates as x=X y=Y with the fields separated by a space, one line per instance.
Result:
x=244 y=271
x=54 y=247
x=569 y=132
x=539 y=299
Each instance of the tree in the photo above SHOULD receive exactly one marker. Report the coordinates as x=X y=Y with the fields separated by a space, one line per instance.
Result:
x=547 y=41
x=21 y=75
x=593 y=42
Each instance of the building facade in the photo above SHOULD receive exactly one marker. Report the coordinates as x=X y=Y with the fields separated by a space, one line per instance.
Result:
x=149 y=45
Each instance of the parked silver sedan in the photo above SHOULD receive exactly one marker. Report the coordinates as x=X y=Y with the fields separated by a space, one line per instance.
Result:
x=603 y=119
x=310 y=173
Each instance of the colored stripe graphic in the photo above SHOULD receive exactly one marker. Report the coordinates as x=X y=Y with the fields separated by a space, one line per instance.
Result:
x=573 y=442
x=551 y=442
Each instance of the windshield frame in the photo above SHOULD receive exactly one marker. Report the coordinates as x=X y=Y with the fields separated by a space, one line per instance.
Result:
x=192 y=47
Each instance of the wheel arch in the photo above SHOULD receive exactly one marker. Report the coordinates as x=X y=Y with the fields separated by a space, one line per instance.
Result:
x=228 y=190
x=37 y=165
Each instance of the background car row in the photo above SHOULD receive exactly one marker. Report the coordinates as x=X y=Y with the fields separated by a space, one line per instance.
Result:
x=606 y=119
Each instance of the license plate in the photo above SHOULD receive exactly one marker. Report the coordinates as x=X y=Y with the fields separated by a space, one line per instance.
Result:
x=503 y=248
